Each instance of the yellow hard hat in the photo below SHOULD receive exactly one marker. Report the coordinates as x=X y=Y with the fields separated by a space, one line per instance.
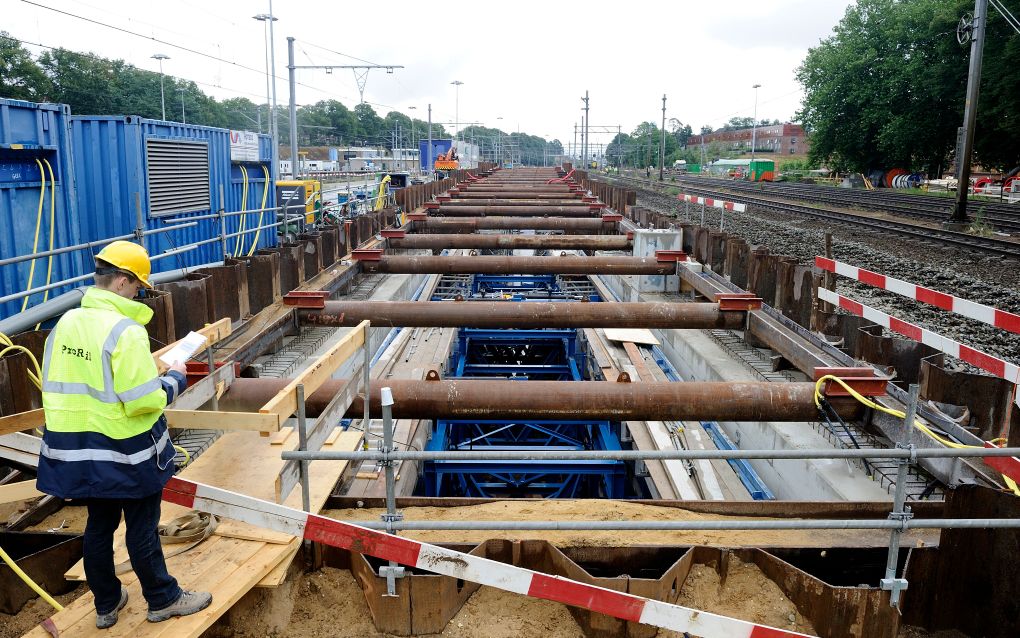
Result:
x=130 y=257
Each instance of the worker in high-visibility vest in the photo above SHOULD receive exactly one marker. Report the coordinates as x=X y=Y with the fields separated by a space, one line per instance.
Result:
x=106 y=440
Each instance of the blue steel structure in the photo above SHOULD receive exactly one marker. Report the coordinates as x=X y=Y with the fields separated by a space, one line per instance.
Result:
x=522 y=355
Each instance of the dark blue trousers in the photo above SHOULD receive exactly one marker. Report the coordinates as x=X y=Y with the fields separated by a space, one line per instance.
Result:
x=141 y=516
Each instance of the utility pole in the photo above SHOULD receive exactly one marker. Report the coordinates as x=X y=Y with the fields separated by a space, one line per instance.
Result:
x=965 y=148
x=456 y=114
x=573 y=148
x=295 y=171
x=184 y=118
x=662 y=146
x=584 y=143
x=430 y=164
x=754 y=124
x=267 y=19
x=162 y=99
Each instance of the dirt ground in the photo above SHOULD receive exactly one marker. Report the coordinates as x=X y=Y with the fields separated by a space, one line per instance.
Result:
x=34 y=612
x=71 y=517
x=616 y=511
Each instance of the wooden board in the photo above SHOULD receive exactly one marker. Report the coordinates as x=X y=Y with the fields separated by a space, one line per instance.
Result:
x=15 y=492
x=242 y=462
x=281 y=437
x=213 y=420
x=22 y=421
x=285 y=402
x=213 y=333
x=634 y=335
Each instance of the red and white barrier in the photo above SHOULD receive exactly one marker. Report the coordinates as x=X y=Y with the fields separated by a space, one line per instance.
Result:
x=447 y=562
x=713 y=203
x=998 y=367
x=987 y=314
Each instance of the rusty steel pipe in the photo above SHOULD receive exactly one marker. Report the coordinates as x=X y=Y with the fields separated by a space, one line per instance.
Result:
x=499 y=201
x=562 y=400
x=513 y=314
x=464 y=224
x=539 y=242
x=508 y=264
x=537 y=210
x=509 y=194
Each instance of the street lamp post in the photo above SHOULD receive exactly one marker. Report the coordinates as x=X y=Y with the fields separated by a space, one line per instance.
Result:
x=162 y=97
x=499 y=143
x=414 y=142
x=754 y=123
x=268 y=19
x=184 y=118
x=456 y=123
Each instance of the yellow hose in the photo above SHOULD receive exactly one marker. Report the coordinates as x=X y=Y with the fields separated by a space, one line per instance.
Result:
x=1010 y=483
x=38 y=225
x=265 y=197
x=28 y=581
x=239 y=245
x=53 y=209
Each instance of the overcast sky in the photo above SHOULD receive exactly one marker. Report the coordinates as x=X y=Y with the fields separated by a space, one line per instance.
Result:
x=527 y=62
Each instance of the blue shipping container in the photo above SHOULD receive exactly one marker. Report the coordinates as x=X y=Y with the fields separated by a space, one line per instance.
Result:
x=36 y=183
x=129 y=168
x=439 y=147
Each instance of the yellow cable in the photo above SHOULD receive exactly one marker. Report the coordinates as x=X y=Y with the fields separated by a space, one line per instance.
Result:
x=901 y=415
x=36 y=377
x=53 y=209
x=239 y=244
x=28 y=581
x=38 y=225
x=187 y=456
x=265 y=197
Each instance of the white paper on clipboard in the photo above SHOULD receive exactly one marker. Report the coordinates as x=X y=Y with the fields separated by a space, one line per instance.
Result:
x=184 y=349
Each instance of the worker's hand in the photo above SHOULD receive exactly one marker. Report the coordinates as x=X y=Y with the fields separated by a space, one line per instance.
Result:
x=179 y=366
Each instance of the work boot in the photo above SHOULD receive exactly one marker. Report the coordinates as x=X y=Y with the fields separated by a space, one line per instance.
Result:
x=190 y=602
x=105 y=621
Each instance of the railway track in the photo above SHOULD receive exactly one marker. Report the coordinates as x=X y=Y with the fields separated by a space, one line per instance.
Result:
x=1001 y=216
x=974 y=243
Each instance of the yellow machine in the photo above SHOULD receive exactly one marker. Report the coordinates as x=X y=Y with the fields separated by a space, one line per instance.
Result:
x=301 y=193
x=447 y=161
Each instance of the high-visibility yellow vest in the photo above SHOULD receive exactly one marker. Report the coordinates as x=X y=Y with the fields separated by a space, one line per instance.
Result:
x=98 y=373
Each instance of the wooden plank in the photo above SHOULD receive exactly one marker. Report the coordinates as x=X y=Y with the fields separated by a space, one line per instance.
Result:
x=285 y=402
x=21 y=442
x=281 y=437
x=634 y=335
x=204 y=390
x=638 y=360
x=213 y=333
x=17 y=456
x=22 y=421
x=21 y=491
x=316 y=435
x=213 y=420
x=333 y=436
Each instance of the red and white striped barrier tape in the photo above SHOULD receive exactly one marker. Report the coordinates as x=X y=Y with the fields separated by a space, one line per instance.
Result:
x=714 y=203
x=987 y=314
x=998 y=367
x=447 y=562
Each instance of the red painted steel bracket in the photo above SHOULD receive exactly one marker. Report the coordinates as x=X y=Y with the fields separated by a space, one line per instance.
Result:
x=612 y=217
x=392 y=233
x=738 y=301
x=306 y=298
x=670 y=255
x=865 y=381
x=417 y=217
x=431 y=205
x=367 y=254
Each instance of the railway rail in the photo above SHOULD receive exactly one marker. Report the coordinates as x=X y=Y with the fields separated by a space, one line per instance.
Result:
x=975 y=243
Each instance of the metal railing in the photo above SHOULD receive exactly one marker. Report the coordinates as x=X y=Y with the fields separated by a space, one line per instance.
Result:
x=900 y=518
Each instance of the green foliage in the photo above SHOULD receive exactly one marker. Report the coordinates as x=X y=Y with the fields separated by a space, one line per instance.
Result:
x=20 y=77
x=641 y=147
x=886 y=89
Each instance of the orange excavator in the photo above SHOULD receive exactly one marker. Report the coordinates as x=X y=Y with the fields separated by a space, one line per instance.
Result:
x=447 y=161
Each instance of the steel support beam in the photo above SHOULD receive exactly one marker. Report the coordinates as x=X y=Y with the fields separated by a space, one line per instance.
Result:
x=552 y=400
x=465 y=225
x=498 y=201
x=510 y=314
x=513 y=242
x=503 y=264
x=515 y=194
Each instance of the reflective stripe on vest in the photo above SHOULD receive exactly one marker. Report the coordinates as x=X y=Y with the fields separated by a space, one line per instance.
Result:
x=107 y=394
x=92 y=454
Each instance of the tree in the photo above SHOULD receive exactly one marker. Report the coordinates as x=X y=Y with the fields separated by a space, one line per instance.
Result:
x=20 y=77
x=886 y=89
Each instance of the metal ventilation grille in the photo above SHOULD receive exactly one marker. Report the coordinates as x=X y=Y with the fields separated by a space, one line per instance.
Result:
x=178 y=173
